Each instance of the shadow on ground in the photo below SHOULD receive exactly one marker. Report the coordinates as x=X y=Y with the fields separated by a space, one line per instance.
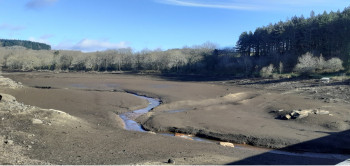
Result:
x=328 y=147
x=196 y=77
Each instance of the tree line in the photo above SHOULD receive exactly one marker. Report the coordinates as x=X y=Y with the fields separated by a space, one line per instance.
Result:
x=326 y=34
x=318 y=44
x=24 y=43
x=204 y=59
x=197 y=59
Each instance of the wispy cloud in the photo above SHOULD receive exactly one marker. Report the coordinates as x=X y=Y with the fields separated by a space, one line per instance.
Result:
x=38 y=4
x=42 y=39
x=251 y=4
x=10 y=27
x=237 y=5
x=89 y=45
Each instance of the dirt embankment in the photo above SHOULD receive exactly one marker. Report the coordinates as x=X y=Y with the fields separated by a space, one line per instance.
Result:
x=17 y=119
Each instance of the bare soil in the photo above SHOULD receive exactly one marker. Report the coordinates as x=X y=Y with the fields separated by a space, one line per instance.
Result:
x=89 y=130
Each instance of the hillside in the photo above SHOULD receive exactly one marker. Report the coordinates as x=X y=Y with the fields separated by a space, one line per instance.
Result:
x=24 y=43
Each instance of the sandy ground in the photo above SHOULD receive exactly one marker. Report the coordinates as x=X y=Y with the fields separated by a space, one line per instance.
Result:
x=88 y=131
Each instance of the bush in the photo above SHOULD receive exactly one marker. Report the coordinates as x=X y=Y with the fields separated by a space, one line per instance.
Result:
x=266 y=72
x=308 y=64
x=333 y=65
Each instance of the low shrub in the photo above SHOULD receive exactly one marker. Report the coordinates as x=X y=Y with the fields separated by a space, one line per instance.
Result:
x=308 y=64
x=267 y=71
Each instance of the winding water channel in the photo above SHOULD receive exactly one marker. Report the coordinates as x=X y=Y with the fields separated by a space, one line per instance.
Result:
x=129 y=117
x=131 y=125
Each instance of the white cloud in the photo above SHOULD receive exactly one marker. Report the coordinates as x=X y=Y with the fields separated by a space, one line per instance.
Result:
x=11 y=27
x=37 y=4
x=90 y=45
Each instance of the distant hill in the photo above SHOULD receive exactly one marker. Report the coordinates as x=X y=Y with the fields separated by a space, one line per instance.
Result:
x=24 y=43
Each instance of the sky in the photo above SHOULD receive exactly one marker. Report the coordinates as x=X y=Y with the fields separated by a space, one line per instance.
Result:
x=97 y=25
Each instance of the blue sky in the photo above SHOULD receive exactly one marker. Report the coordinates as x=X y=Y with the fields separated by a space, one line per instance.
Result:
x=91 y=25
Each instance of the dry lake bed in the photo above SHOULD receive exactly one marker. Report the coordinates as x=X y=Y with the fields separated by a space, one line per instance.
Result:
x=77 y=118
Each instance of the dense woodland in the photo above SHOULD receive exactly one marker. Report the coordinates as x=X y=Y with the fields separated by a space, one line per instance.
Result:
x=327 y=34
x=318 y=44
x=24 y=43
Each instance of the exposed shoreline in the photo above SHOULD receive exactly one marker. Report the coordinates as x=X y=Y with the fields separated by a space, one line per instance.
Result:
x=97 y=111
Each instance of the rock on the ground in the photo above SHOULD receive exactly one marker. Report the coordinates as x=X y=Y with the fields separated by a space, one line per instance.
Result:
x=171 y=161
x=287 y=117
x=8 y=142
x=321 y=112
x=37 y=121
x=227 y=144
x=300 y=114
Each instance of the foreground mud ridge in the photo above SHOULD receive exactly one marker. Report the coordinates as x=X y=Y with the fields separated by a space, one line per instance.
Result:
x=19 y=126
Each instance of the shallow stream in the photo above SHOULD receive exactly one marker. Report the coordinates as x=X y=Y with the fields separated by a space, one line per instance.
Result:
x=129 y=117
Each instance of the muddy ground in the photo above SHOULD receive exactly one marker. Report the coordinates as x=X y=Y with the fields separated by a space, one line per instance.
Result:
x=84 y=127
